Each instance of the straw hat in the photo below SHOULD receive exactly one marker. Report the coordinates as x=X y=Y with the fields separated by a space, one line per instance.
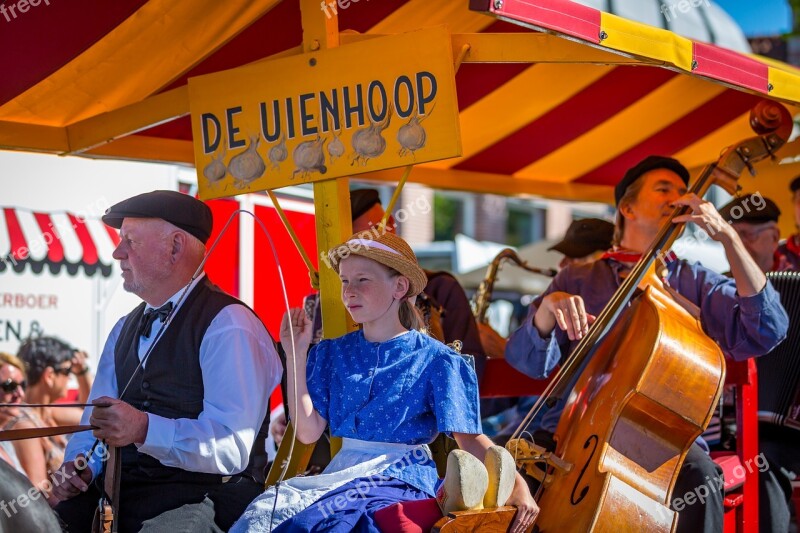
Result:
x=387 y=249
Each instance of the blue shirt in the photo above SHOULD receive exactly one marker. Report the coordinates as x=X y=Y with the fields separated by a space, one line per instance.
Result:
x=742 y=326
x=404 y=390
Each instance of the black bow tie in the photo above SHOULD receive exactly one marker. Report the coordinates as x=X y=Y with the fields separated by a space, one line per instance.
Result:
x=146 y=324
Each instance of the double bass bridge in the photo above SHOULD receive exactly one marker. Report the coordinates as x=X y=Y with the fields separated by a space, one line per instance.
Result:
x=536 y=460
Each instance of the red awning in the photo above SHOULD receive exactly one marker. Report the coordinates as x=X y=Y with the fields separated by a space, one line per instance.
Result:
x=55 y=239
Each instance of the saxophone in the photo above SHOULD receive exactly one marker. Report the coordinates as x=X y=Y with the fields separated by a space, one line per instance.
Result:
x=483 y=296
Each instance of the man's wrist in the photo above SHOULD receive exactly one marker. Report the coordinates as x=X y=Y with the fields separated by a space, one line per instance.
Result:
x=82 y=372
x=142 y=433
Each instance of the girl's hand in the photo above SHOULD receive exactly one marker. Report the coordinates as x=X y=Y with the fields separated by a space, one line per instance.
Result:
x=527 y=509
x=300 y=331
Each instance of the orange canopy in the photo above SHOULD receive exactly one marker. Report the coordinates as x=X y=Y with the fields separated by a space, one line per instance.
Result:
x=559 y=108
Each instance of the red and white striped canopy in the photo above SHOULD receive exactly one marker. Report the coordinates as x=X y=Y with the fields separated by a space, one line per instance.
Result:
x=56 y=240
x=555 y=98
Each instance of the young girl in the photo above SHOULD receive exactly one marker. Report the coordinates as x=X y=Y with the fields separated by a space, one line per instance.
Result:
x=387 y=389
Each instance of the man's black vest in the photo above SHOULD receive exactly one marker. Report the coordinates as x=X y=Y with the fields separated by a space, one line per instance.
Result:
x=171 y=382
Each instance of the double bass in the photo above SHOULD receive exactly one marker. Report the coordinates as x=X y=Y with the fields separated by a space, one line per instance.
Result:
x=648 y=390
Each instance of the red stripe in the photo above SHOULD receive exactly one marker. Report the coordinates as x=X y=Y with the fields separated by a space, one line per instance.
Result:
x=501 y=26
x=589 y=108
x=729 y=66
x=89 y=249
x=282 y=24
x=362 y=16
x=275 y=31
x=40 y=41
x=474 y=81
x=562 y=16
x=55 y=250
x=19 y=246
x=677 y=136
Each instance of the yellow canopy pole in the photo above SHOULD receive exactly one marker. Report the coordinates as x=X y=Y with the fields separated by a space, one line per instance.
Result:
x=395 y=197
x=333 y=224
x=312 y=272
x=331 y=197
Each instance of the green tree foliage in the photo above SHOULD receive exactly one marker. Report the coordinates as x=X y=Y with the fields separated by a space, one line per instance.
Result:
x=445 y=218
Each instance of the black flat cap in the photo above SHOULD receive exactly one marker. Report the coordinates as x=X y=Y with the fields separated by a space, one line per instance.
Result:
x=752 y=208
x=647 y=164
x=361 y=200
x=181 y=210
x=584 y=237
x=794 y=186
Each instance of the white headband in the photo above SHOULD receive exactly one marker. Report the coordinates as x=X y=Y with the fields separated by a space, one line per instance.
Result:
x=369 y=243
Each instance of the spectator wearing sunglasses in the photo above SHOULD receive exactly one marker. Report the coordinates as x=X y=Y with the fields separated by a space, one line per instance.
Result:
x=48 y=363
x=12 y=390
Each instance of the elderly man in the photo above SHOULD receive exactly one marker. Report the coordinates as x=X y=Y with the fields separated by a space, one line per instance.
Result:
x=755 y=219
x=188 y=375
x=742 y=314
x=790 y=249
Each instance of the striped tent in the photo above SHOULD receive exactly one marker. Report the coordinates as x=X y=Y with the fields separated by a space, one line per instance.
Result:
x=556 y=98
x=56 y=240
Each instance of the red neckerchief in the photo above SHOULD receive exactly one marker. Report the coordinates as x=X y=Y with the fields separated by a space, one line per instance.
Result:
x=629 y=256
x=622 y=256
x=793 y=244
x=780 y=262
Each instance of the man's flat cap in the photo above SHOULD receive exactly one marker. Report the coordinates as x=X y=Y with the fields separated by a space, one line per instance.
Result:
x=752 y=208
x=647 y=164
x=584 y=237
x=180 y=210
x=794 y=186
x=361 y=200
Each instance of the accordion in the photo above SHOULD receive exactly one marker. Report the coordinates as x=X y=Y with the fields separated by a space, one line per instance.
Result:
x=779 y=370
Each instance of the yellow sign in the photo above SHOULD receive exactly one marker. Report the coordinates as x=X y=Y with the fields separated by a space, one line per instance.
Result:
x=378 y=104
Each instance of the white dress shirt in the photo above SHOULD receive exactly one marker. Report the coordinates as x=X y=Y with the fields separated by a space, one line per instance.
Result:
x=240 y=369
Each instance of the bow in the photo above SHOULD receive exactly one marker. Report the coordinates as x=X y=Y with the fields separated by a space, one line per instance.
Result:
x=150 y=316
x=34 y=433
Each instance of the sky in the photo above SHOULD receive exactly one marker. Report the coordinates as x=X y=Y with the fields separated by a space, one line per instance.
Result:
x=759 y=18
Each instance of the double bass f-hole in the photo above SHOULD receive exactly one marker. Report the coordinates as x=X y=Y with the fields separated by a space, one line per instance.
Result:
x=593 y=439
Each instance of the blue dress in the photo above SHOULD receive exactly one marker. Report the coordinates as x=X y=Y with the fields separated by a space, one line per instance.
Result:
x=394 y=395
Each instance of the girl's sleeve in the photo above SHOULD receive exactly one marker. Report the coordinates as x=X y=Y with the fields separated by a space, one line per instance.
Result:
x=318 y=377
x=455 y=395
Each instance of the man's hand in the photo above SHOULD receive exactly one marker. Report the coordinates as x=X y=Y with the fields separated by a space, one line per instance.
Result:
x=277 y=428
x=494 y=346
x=565 y=311
x=68 y=481
x=706 y=216
x=750 y=279
x=527 y=509
x=119 y=424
